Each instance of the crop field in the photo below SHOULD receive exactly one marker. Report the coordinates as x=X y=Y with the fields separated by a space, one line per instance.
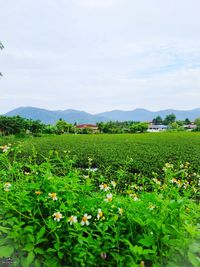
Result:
x=149 y=152
x=55 y=213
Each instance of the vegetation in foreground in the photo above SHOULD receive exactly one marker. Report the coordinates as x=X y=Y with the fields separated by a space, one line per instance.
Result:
x=53 y=214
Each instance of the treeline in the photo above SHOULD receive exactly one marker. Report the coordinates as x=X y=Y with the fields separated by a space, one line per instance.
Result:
x=17 y=125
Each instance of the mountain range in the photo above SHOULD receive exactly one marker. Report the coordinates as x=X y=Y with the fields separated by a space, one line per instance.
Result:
x=72 y=116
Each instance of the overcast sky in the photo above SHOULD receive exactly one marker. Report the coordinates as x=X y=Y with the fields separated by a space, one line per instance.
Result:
x=99 y=55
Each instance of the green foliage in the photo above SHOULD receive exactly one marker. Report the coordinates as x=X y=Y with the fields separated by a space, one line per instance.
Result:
x=148 y=151
x=19 y=126
x=115 y=127
x=197 y=122
x=158 y=120
x=139 y=127
x=64 y=127
x=169 y=119
x=53 y=214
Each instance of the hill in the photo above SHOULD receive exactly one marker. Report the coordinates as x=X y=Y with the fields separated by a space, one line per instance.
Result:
x=72 y=116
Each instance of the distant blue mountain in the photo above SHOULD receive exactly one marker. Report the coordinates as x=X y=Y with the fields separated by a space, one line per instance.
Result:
x=146 y=115
x=72 y=116
x=50 y=117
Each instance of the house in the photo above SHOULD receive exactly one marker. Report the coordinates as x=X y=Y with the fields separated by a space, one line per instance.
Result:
x=190 y=127
x=153 y=128
x=91 y=127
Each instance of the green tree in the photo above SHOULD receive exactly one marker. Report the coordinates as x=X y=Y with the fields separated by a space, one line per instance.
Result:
x=64 y=127
x=169 y=119
x=36 y=127
x=139 y=127
x=158 y=120
x=197 y=122
x=187 y=121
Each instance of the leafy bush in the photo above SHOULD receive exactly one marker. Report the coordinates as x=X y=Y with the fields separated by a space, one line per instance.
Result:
x=53 y=214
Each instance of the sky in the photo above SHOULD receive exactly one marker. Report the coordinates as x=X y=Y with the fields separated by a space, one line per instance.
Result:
x=100 y=55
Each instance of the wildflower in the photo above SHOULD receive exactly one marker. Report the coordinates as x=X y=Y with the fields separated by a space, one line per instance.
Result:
x=108 y=198
x=103 y=255
x=5 y=148
x=113 y=183
x=134 y=196
x=104 y=187
x=38 y=192
x=169 y=166
x=72 y=219
x=151 y=207
x=57 y=216
x=175 y=181
x=53 y=196
x=99 y=214
x=85 y=219
x=120 y=210
x=7 y=186
x=185 y=185
x=158 y=182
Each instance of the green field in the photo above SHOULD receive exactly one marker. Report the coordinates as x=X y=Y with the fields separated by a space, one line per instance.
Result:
x=148 y=151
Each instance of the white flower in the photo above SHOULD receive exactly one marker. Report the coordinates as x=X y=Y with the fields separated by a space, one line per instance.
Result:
x=120 y=210
x=5 y=148
x=53 y=196
x=72 y=219
x=113 y=183
x=134 y=196
x=99 y=214
x=104 y=187
x=85 y=219
x=108 y=198
x=158 y=182
x=7 y=186
x=57 y=216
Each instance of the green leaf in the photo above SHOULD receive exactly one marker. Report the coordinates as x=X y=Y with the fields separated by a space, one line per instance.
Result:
x=29 y=247
x=40 y=233
x=194 y=259
x=39 y=251
x=6 y=251
x=30 y=258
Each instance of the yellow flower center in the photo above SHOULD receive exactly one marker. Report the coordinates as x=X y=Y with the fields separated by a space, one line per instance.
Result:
x=85 y=218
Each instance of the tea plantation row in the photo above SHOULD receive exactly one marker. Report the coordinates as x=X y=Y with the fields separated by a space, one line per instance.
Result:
x=149 y=152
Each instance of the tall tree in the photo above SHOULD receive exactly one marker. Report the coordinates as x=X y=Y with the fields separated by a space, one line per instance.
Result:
x=158 y=120
x=169 y=119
